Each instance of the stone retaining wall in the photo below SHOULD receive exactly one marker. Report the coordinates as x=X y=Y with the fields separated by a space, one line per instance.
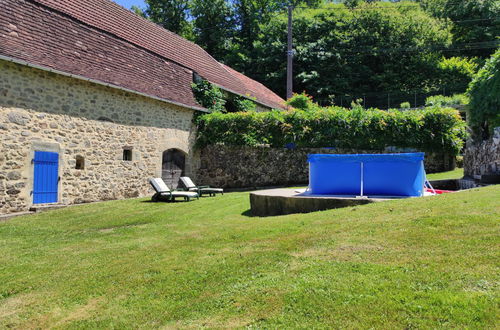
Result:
x=48 y=112
x=483 y=158
x=244 y=167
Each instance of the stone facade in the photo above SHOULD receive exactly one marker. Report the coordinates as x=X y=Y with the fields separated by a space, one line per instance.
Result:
x=245 y=167
x=49 y=112
x=483 y=158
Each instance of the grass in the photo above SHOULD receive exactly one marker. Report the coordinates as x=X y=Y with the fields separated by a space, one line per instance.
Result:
x=457 y=173
x=415 y=263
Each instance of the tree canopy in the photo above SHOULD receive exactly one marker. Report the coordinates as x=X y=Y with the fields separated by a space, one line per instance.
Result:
x=475 y=24
x=342 y=52
x=384 y=52
x=171 y=14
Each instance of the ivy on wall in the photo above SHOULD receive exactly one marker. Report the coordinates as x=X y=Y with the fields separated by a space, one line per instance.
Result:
x=209 y=96
x=243 y=104
x=484 y=92
x=214 y=99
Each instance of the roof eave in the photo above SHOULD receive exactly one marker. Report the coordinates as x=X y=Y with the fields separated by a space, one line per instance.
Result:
x=99 y=82
x=246 y=96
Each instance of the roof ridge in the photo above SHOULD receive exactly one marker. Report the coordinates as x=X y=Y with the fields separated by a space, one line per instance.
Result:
x=40 y=3
x=173 y=34
x=58 y=4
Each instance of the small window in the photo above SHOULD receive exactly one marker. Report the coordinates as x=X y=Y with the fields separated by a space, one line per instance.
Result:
x=80 y=163
x=127 y=154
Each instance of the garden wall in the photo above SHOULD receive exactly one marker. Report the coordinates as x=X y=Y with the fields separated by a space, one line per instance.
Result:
x=246 y=167
x=483 y=158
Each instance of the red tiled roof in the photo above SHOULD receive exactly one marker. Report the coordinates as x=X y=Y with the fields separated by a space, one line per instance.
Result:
x=256 y=88
x=111 y=17
x=46 y=38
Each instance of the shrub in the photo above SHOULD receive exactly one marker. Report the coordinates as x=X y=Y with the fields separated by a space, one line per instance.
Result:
x=301 y=101
x=432 y=129
x=484 y=93
x=209 y=96
x=447 y=101
x=456 y=73
x=405 y=105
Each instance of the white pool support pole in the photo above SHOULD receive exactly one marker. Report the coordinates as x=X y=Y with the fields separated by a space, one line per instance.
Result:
x=308 y=189
x=362 y=178
x=427 y=182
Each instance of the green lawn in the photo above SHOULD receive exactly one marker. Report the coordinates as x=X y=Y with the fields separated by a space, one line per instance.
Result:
x=415 y=263
x=457 y=173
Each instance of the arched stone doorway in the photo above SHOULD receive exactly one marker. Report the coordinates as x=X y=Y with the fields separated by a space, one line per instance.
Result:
x=172 y=167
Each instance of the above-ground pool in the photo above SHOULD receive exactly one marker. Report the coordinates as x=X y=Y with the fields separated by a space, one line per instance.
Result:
x=398 y=175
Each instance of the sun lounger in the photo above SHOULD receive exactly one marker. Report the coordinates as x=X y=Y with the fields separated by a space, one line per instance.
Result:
x=190 y=186
x=165 y=194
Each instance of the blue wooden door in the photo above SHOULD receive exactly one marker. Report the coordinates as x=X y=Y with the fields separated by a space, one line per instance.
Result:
x=46 y=177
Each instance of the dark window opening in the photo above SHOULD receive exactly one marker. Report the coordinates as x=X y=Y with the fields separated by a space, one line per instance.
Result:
x=80 y=163
x=127 y=154
x=231 y=105
x=197 y=78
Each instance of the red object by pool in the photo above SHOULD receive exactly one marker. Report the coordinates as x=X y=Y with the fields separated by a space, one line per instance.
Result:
x=438 y=191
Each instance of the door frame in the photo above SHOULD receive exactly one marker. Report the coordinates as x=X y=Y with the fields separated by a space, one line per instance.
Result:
x=184 y=145
x=47 y=147
x=184 y=154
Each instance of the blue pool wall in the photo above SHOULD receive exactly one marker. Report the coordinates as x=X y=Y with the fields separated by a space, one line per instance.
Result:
x=398 y=175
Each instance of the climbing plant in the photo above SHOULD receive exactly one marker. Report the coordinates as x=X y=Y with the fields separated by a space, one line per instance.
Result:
x=243 y=104
x=209 y=96
x=484 y=92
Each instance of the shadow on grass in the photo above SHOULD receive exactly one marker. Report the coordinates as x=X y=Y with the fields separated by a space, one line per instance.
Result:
x=169 y=202
x=248 y=213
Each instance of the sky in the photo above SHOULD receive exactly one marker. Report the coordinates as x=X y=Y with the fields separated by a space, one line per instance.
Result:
x=129 y=3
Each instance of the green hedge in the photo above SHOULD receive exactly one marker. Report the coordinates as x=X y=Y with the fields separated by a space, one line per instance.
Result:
x=432 y=129
x=447 y=101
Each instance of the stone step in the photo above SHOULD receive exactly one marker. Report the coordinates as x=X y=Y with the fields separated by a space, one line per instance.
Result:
x=46 y=207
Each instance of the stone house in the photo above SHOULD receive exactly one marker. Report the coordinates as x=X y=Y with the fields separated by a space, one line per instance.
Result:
x=94 y=100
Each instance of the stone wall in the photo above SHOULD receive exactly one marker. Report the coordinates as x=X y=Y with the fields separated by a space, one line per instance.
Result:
x=48 y=112
x=243 y=167
x=483 y=158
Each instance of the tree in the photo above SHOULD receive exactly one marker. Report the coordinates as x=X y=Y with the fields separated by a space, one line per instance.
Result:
x=456 y=73
x=475 y=24
x=138 y=11
x=251 y=16
x=357 y=52
x=351 y=3
x=213 y=26
x=382 y=53
x=170 y=14
x=484 y=93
